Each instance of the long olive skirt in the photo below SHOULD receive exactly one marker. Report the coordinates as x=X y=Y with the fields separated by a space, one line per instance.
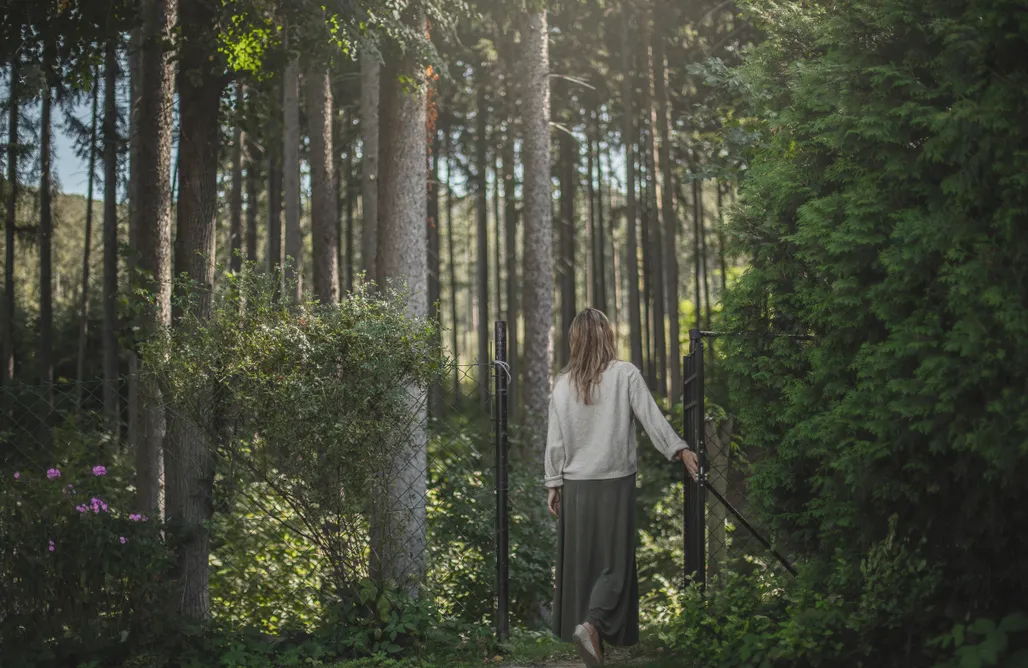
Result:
x=597 y=580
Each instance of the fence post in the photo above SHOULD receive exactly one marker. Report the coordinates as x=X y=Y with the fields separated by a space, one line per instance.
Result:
x=501 y=379
x=695 y=491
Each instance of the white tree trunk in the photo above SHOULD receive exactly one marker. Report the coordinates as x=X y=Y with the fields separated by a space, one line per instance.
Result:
x=402 y=257
x=369 y=165
x=538 y=239
x=291 y=176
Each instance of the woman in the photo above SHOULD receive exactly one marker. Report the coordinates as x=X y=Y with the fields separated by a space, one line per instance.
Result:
x=590 y=473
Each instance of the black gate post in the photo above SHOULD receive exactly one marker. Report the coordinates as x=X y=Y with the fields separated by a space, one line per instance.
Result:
x=695 y=525
x=502 y=509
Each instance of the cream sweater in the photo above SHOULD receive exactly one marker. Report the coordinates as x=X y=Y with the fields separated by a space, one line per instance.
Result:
x=597 y=441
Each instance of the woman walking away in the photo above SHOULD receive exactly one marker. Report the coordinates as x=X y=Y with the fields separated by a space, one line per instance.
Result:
x=590 y=473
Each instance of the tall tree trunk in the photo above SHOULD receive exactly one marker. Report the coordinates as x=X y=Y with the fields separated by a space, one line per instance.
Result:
x=596 y=267
x=497 y=236
x=156 y=97
x=291 y=178
x=10 y=220
x=236 y=198
x=452 y=267
x=697 y=215
x=370 y=75
x=510 y=221
x=112 y=410
x=482 y=236
x=351 y=200
x=705 y=257
x=566 y=268
x=538 y=257
x=46 y=230
x=402 y=254
x=628 y=137
x=601 y=222
x=275 y=143
x=434 y=285
x=87 y=245
x=136 y=419
x=324 y=211
x=253 y=175
x=721 y=236
x=656 y=220
x=189 y=447
x=647 y=268
x=667 y=203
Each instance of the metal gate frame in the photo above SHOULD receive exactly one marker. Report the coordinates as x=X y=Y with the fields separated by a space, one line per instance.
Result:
x=694 y=525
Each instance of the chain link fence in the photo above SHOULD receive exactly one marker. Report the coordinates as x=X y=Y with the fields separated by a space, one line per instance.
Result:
x=242 y=529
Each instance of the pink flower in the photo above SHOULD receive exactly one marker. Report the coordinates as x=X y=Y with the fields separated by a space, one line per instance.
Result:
x=51 y=546
x=98 y=505
x=53 y=473
x=82 y=508
x=99 y=470
x=123 y=540
x=17 y=475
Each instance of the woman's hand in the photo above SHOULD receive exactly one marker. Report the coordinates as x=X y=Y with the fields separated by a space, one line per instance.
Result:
x=553 y=501
x=692 y=465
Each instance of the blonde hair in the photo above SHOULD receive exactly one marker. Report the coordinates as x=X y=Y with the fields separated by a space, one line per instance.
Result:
x=593 y=348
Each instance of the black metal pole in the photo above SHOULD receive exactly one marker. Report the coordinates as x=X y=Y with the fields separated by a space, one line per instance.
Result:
x=696 y=501
x=502 y=508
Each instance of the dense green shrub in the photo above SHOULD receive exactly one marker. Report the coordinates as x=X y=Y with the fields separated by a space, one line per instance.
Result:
x=81 y=575
x=885 y=215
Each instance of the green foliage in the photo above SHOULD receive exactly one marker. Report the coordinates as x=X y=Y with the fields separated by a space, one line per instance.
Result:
x=81 y=575
x=883 y=210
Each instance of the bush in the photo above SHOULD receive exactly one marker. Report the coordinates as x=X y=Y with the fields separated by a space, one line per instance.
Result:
x=81 y=576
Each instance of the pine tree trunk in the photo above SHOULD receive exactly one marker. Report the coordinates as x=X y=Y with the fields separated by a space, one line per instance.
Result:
x=435 y=403
x=370 y=74
x=647 y=268
x=291 y=179
x=112 y=410
x=657 y=215
x=510 y=221
x=697 y=214
x=482 y=237
x=156 y=97
x=497 y=234
x=452 y=263
x=401 y=256
x=324 y=208
x=566 y=269
x=721 y=237
x=275 y=143
x=236 y=197
x=253 y=175
x=631 y=216
x=351 y=201
x=668 y=213
x=46 y=229
x=189 y=448
x=87 y=246
x=704 y=255
x=10 y=220
x=538 y=257
x=136 y=426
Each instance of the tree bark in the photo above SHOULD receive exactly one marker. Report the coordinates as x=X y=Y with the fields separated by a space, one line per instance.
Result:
x=87 y=245
x=656 y=218
x=236 y=197
x=705 y=255
x=324 y=211
x=566 y=269
x=482 y=235
x=112 y=409
x=369 y=164
x=667 y=204
x=275 y=143
x=189 y=447
x=538 y=257
x=291 y=178
x=347 y=179
x=46 y=229
x=156 y=97
x=452 y=268
x=697 y=215
x=253 y=175
x=510 y=221
x=10 y=220
x=435 y=403
x=402 y=256
x=721 y=237
x=628 y=137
